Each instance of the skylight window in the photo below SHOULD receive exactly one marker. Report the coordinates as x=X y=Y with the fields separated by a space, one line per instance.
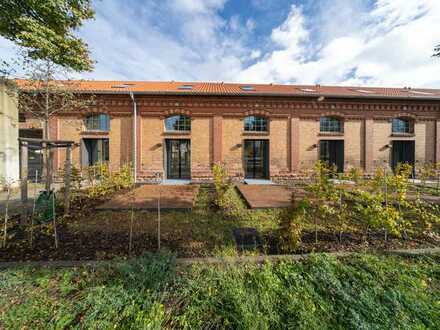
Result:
x=364 y=91
x=120 y=86
x=421 y=93
x=308 y=90
x=247 y=88
x=186 y=87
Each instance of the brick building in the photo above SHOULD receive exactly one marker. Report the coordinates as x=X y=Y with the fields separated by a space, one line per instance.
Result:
x=177 y=130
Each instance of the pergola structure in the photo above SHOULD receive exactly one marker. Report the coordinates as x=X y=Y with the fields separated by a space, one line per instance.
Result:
x=48 y=146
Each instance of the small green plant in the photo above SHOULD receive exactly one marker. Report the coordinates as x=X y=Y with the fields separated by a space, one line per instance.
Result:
x=222 y=182
x=227 y=199
x=356 y=175
x=324 y=195
x=292 y=225
x=104 y=182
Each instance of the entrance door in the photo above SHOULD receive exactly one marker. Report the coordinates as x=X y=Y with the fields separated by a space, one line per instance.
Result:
x=178 y=159
x=95 y=151
x=403 y=152
x=332 y=152
x=256 y=159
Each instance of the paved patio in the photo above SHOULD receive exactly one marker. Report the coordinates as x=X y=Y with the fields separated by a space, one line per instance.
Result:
x=146 y=196
x=268 y=196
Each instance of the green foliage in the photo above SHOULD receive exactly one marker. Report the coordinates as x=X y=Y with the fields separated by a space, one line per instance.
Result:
x=46 y=29
x=370 y=211
x=227 y=199
x=105 y=182
x=321 y=292
x=426 y=171
x=292 y=225
x=377 y=204
x=222 y=182
x=76 y=178
x=356 y=175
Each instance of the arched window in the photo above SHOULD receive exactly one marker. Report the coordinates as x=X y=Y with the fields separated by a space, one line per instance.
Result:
x=255 y=124
x=330 y=125
x=178 y=123
x=98 y=122
x=402 y=126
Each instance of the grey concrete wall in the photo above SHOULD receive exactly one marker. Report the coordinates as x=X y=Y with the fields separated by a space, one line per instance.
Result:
x=9 y=153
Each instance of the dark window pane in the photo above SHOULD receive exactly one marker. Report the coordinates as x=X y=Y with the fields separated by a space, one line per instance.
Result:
x=330 y=124
x=400 y=125
x=255 y=124
x=178 y=123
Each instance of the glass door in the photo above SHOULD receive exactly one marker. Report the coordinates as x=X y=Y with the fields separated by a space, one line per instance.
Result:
x=256 y=159
x=95 y=151
x=403 y=152
x=178 y=159
x=332 y=152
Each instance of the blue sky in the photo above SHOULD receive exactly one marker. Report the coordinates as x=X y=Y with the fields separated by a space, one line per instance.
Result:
x=338 y=42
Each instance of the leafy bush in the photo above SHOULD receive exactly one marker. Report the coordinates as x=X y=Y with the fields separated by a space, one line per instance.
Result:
x=292 y=225
x=222 y=181
x=104 y=182
x=227 y=199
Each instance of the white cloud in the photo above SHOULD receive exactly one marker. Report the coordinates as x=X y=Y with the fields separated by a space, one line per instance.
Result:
x=392 y=46
x=250 y=24
x=170 y=40
x=389 y=42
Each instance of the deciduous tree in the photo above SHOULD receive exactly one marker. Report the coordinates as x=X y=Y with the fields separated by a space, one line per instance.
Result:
x=45 y=29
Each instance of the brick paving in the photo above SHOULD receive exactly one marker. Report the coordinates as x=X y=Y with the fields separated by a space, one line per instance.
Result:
x=268 y=196
x=146 y=196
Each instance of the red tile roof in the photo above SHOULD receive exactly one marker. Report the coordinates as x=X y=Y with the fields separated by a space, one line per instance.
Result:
x=216 y=88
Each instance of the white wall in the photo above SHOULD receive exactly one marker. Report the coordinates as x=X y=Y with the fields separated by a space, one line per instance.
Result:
x=9 y=158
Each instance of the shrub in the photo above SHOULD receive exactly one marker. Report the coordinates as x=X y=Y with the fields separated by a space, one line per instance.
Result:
x=291 y=226
x=227 y=198
x=105 y=182
x=222 y=182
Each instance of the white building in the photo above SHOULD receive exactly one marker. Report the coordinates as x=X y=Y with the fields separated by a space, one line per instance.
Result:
x=9 y=150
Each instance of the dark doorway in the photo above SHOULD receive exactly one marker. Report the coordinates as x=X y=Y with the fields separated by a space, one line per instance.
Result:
x=403 y=152
x=178 y=159
x=256 y=159
x=332 y=152
x=95 y=151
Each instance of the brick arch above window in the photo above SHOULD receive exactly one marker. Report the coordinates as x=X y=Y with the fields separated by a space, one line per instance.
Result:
x=258 y=113
x=333 y=114
x=405 y=115
x=91 y=112
x=173 y=112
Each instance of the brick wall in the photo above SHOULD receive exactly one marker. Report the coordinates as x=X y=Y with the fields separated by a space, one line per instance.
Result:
x=217 y=134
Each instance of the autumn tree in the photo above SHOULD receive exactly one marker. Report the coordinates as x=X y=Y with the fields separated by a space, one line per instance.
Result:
x=45 y=30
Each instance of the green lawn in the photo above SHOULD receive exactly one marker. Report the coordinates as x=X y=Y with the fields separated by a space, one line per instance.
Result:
x=360 y=292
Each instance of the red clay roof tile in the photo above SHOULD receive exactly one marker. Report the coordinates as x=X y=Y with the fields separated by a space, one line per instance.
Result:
x=220 y=88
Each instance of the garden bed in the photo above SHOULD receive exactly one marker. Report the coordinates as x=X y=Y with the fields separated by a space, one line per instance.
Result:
x=331 y=218
x=105 y=235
